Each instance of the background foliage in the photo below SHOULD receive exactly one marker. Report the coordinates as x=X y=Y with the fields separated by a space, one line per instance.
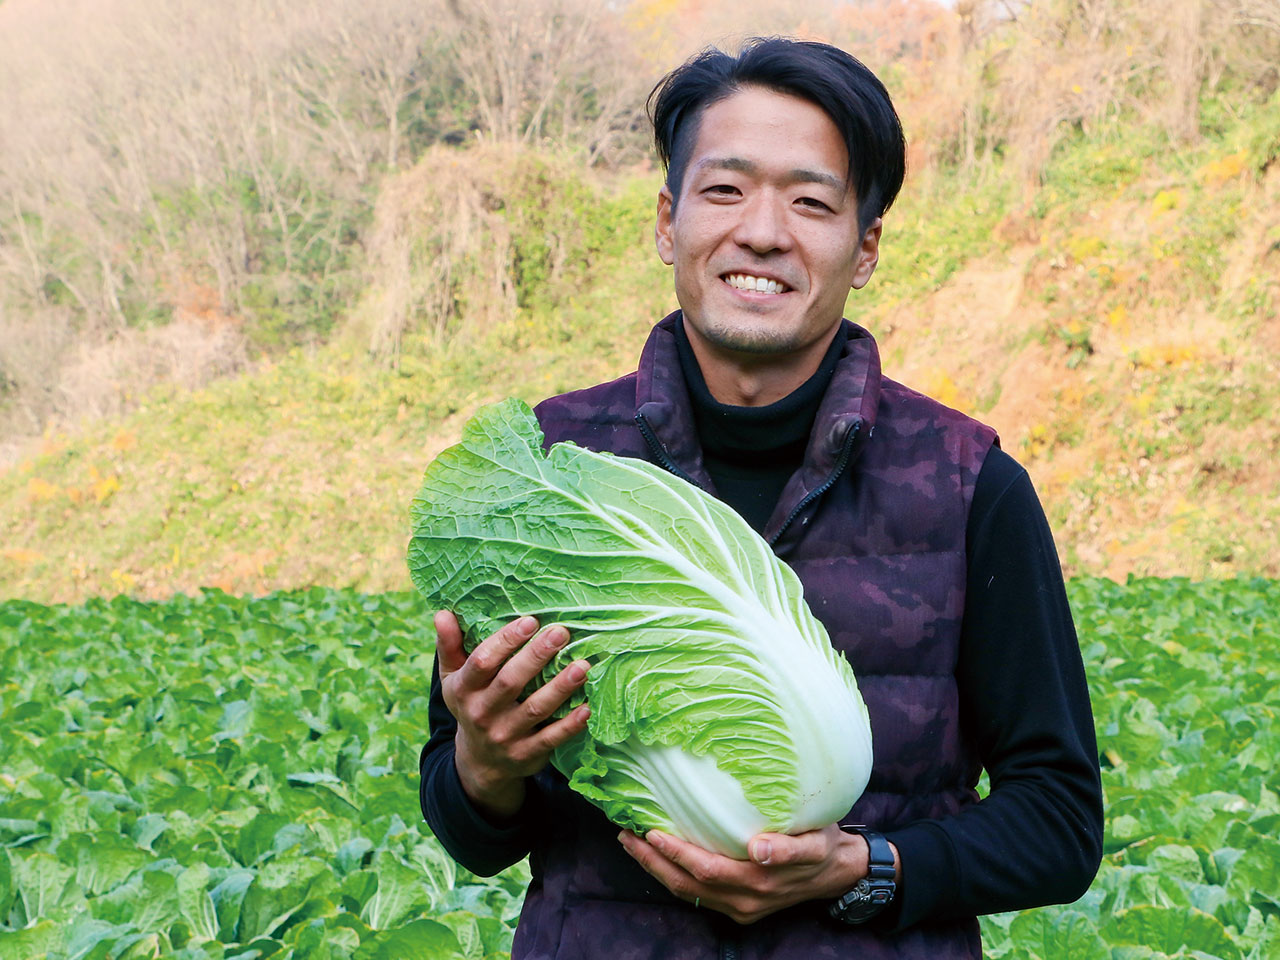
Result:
x=213 y=776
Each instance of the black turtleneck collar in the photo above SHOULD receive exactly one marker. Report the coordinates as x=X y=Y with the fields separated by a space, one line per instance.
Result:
x=756 y=433
x=751 y=452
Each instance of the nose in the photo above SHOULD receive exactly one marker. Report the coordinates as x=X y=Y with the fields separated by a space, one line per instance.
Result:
x=761 y=224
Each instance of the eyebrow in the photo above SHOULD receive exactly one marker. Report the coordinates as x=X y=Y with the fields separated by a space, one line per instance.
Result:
x=797 y=175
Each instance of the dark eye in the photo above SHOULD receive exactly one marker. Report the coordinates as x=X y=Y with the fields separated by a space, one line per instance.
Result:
x=722 y=190
x=812 y=203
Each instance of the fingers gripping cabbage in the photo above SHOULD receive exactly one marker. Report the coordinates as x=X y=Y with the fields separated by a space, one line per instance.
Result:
x=719 y=708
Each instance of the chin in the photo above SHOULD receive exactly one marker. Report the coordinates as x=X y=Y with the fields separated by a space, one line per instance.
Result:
x=749 y=338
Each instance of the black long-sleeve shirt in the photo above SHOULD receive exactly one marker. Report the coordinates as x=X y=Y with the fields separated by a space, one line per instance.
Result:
x=1024 y=697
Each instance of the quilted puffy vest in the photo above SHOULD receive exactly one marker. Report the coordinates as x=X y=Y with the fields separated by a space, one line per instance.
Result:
x=874 y=525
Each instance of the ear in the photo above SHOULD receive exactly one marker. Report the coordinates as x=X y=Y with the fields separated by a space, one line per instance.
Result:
x=868 y=255
x=662 y=229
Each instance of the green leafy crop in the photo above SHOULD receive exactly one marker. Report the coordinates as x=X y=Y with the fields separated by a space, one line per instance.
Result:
x=213 y=777
x=1185 y=680
x=217 y=777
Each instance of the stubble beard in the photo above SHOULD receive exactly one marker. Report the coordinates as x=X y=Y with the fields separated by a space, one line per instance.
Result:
x=756 y=339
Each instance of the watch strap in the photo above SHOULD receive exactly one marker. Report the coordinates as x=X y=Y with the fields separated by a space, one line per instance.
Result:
x=880 y=855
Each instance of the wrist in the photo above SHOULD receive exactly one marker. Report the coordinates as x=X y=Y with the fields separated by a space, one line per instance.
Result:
x=851 y=863
x=876 y=874
x=852 y=858
x=497 y=797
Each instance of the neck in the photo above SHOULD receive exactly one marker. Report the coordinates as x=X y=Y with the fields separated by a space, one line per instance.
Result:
x=754 y=379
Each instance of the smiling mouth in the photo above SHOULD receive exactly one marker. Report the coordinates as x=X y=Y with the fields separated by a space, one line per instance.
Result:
x=752 y=284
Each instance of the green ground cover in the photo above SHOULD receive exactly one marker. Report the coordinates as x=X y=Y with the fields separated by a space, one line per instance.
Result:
x=218 y=777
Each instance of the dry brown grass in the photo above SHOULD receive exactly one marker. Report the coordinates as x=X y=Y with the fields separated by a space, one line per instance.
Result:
x=1156 y=452
x=129 y=129
x=437 y=238
x=148 y=146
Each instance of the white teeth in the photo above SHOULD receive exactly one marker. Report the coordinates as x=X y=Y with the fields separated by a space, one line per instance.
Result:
x=745 y=281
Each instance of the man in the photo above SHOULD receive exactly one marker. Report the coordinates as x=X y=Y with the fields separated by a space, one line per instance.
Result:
x=921 y=547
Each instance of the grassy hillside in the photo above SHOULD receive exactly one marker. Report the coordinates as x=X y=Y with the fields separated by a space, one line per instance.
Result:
x=1126 y=343
x=1119 y=325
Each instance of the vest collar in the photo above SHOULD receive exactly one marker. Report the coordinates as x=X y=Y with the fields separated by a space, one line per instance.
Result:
x=851 y=400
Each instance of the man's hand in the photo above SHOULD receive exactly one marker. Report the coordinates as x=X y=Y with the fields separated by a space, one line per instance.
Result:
x=782 y=871
x=501 y=739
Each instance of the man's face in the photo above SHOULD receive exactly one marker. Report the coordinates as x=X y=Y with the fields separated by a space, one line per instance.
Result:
x=764 y=238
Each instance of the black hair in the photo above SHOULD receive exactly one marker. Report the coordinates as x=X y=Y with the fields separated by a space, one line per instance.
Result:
x=838 y=83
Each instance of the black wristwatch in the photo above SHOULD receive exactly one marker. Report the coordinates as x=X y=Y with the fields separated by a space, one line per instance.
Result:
x=875 y=891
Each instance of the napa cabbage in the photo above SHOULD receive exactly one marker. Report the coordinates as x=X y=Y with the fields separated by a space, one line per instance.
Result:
x=719 y=707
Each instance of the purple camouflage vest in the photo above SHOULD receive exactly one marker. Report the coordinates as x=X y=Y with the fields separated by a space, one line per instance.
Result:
x=874 y=525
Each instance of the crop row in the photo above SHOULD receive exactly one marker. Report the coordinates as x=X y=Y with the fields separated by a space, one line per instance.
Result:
x=217 y=777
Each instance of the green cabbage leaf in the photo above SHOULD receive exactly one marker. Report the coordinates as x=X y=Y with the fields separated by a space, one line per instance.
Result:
x=719 y=708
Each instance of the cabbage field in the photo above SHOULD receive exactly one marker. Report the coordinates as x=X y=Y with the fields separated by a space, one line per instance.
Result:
x=218 y=777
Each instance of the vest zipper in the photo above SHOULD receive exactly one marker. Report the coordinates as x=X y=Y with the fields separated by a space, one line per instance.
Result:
x=841 y=462
x=729 y=946
x=660 y=452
